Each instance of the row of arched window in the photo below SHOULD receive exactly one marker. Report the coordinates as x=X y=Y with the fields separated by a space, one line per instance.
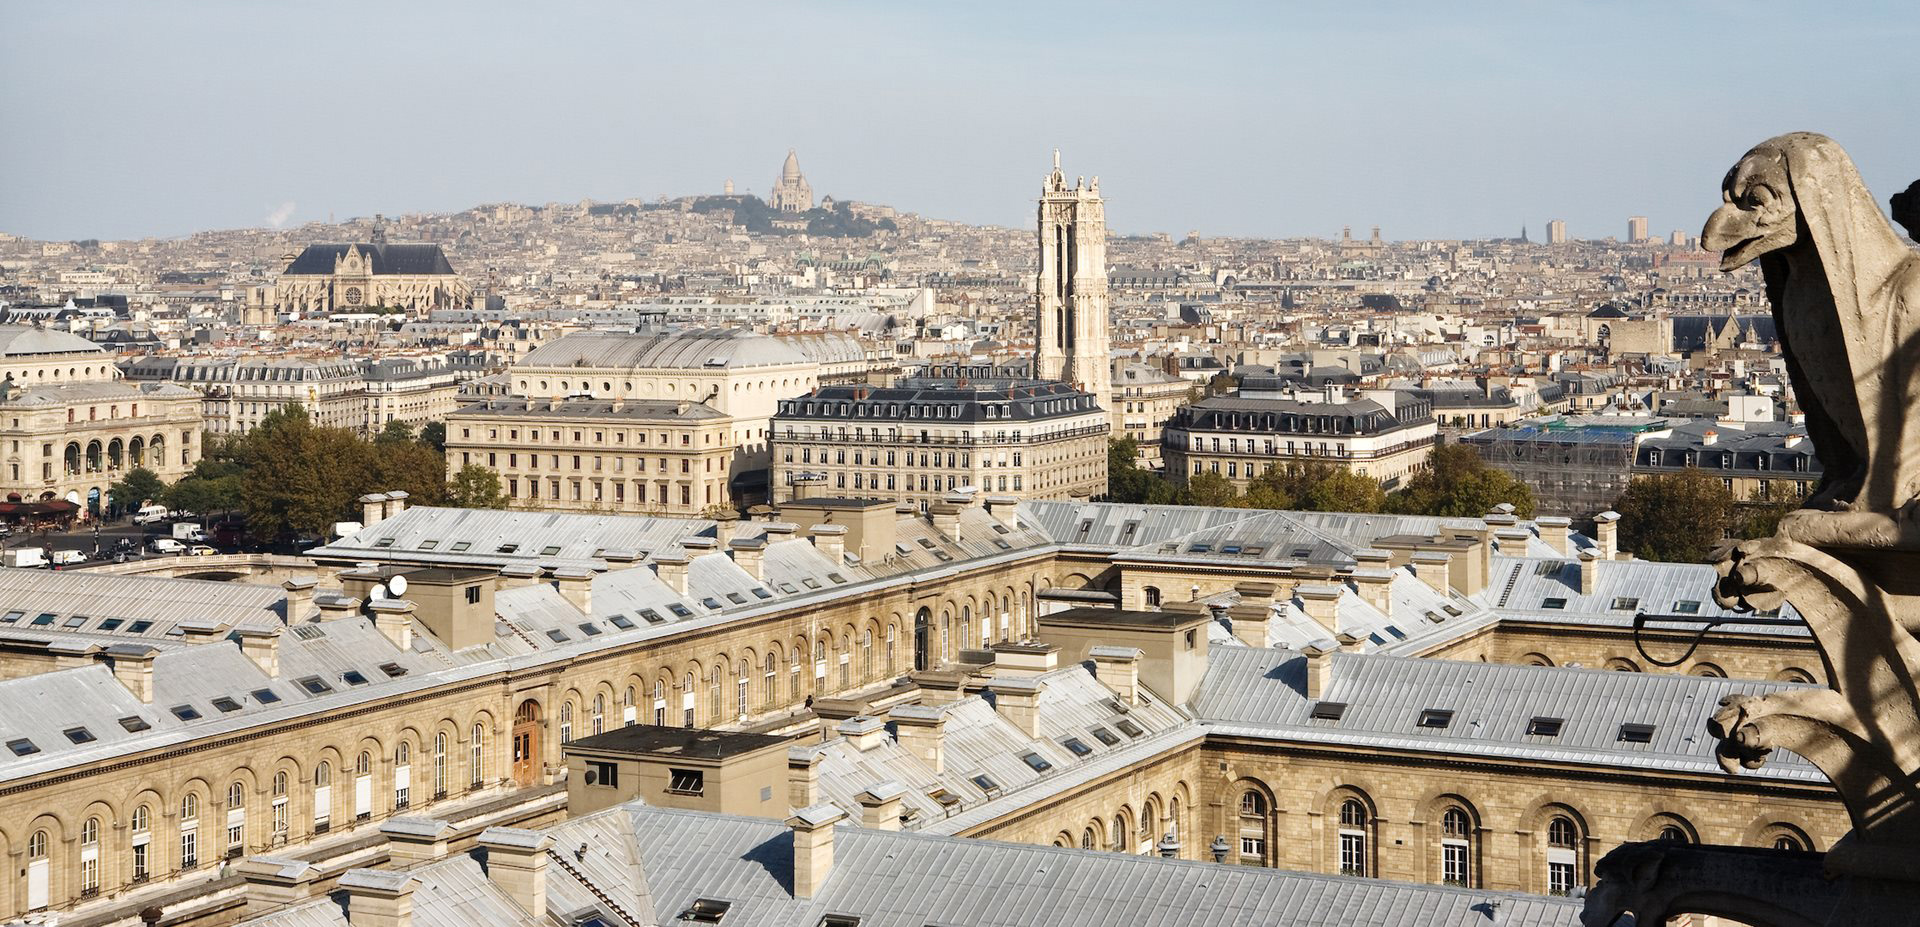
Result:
x=1702 y=668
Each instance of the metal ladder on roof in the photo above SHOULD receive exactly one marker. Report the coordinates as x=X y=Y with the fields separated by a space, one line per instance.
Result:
x=1512 y=580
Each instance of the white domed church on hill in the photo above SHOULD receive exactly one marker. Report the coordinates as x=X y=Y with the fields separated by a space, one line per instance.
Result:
x=791 y=193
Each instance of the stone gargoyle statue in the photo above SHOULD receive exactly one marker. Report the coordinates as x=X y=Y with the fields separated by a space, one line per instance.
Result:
x=1845 y=290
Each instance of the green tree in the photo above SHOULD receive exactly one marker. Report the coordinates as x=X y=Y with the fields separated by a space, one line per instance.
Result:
x=476 y=487
x=416 y=468
x=1222 y=384
x=1209 y=489
x=1345 y=491
x=299 y=477
x=1458 y=484
x=1128 y=482
x=137 y=488
x=1760 y=516
x=395 y=432
x=434 y=435
x=1678 y=517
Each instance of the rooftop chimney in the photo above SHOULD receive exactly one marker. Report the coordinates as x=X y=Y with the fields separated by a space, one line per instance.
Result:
x=1005 y=509
x=299 y=597
x=394 y=619
x=880 y=805
x=262 y=646
x=379 y=898
x=1250 y=623
x=863 y=733
x=1553 y=531
x=1430 y=567
x=831 y=541
x=415 y=840
x=1606 y=534
x=812 y=847
x=133 y=667
x=1017 y=698
x=673 y=572
x=1319 y=666
x=921 y=730
x=1589 y=572
x=203 y=630
x=396 y=502
x=517 y=865
x=1030 y=658
x=335 y=607
x=1321 y=603
x=275 y=882
x=946 y=518
x=1375 y=586
x=1350 y=642
x=576 y=586
x=750 y=554
x=373 y=509
x=515 y=575
x=803 y=776
x=1118 y=668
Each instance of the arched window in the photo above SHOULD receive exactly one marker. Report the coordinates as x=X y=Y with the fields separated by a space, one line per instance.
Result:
x=630 y=708
x=142 y=837
x=1252 y=804
x=598 y=723
x=660 y=703
x=322 y=797
x=280 y=807
x=236 y=819
x=1253 y=828
x=1086 y=839
x=1120 y=831
x=741 y=700
x=38 y=871
x=686 y=700
x=566 y=721
x=1456 y=848
x=1563 y=856
x=770 y=695
x=90 y=858
x=1152 y=594
x=1354 y=822
x=477 y=755
x=189 y=831
x=1673 y=833
x=402 y=776
x=440 y=765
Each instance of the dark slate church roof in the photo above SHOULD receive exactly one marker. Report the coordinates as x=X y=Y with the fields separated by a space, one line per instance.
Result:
x=387 y=259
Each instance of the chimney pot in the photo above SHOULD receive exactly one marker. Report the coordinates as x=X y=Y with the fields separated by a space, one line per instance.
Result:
x=1118 y=668
x=803 y=776
x=378 y=898
x=517 y=864
x=299 y=597
x=275 y=882
x=1017 y=699
x=415 y=840
x=831 y=541
x=921 y=731
x=880 y=805
x=576 y=586
x=1319 y=656
x=812 y=847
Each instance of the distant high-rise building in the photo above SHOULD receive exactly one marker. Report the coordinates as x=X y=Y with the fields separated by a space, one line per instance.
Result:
x=728 y=190
x=1678 y=239
x=1071 y=293
x=1636 y=228
x=791 y=193
x=1556 y=231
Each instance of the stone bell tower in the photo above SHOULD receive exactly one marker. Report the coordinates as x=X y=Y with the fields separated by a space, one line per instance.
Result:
x=1071 y=296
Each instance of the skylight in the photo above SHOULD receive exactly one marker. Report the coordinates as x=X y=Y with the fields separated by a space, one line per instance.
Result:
x=1436 y=718
x=226 y=703
x=1555 y=603
x=1129 y=728
x=589 y=628
x=549 y=550
x=1686 y=607
x=185 y=712
x=985 y=783
x=354 y=678
x=1634 y=733
x=1545 y=727
x=80 y=735
x=1328 y=711
x=265 y=696
x=556 y=635
x=1077 y=746
x=22 y=747
x=1105 y=736
x=1625 y=603
x=393 y=670
x=1035 y=760
x=134 y=724
x=622 y=622
x=314 y=685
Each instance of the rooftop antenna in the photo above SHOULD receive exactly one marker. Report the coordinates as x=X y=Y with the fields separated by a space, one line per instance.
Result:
x=1056 y=159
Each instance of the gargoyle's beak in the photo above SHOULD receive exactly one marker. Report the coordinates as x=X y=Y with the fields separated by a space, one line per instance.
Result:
x=1727 y=229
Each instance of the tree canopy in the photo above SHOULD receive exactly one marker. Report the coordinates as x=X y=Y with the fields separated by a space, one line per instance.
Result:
x=1458 y=484
x=298 y=477
x=137 y=488
x=475 y=487
x=1674 y=516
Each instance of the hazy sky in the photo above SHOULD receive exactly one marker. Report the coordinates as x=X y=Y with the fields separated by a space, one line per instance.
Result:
x=1263 y=118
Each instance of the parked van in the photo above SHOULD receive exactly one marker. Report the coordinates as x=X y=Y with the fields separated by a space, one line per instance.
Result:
x=68 y=557
x=166 y=546
x=150 y=514
x=24 y=558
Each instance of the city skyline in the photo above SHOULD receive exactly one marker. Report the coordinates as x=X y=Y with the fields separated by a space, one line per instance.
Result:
x=1176 y=112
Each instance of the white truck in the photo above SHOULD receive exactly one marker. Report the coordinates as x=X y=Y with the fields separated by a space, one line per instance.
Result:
x=24 y=558
x=68 y=557
x=188 y=532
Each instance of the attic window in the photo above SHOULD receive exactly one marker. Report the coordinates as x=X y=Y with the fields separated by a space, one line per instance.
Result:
x=1328 y=711
x=985 y=783
x=711 y=603
x=393 y=670
x=945 y=798
x=622 y=622
x=651 y=616
x=185 y=712
x=1200 y=549
x=588 y=628
x=1229 y=548
x=22 y=747
x=265 y=696
x=926 y=543
x=314 y=685
x=1002 y=544
x=680 y=610
x=556 y=635
x=1300 y=552
x=1077 y=746
x=12 y=617
x=111 y=624
x=1632 y=733
x=840 y=920
x=429 y=545
x=1545 y=727
x=1452 y=609
x=226 y=703
x=1555 y=603
x=384 y=542
x=75 y=621
x=461 y=545
x=1035 y=760
x=1436 y=718
x=80 y=735
x=789 y=588
x=809 y=582
x=706 y=911
x=760 y=593
x=1129 y=728
x=508 y=548
x=837 y=578
x=1105 y=736
x=686 y=781
x=1398 y=634
x=354 y=678
x=44 y=618
x=1686 y=607
x=1253 y=550
x=139 y=627
x=549 y=550
x=736 y=598
x=1003 y=529
x=135 y=724
x=1625 y=603
x=307 y=632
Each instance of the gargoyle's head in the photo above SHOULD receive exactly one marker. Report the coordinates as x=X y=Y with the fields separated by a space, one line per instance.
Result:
x=1906 y=209
x=1757 y=214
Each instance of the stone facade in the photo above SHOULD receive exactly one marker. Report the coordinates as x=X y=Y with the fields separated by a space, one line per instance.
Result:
x=365 y=276
x=1070 y=294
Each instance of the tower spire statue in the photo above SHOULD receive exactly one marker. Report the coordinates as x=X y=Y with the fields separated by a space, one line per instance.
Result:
x=1070 y=297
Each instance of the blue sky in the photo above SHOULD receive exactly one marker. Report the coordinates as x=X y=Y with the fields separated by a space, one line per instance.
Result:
x=1429 y=119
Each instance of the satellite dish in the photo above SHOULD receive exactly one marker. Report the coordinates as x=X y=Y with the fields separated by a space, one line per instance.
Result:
x=378 y=592
x=397 y=586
